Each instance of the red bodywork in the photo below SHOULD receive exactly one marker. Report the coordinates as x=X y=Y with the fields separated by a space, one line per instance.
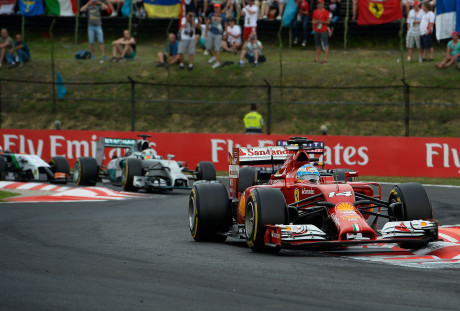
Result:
x=346 y=217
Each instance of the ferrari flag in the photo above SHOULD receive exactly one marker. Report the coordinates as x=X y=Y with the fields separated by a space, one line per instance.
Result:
x=61 y=7
x=162 y=8
x=447 y=18
x=31 y=7
x=7 y=7
x=373 y=12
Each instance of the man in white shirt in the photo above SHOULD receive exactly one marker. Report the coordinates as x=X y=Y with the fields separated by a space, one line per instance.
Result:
x=250 y=19
x=189 y=23
x=413 y=31
x=232 y=37
x=426 y=31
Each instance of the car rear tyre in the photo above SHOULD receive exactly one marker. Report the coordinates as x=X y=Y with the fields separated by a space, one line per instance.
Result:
x=60 y=165
x=209 y=212
x=132 y=168
x=2 y=168
x=247 y=178
x=415 y=205
x=265 y=206
x=205 y=170
x=85 y=171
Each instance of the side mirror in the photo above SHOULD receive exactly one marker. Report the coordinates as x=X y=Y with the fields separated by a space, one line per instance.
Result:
x=351 y=176
x=278 y=176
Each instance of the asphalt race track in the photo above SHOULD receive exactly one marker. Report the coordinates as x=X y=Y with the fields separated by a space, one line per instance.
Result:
x=138 y=255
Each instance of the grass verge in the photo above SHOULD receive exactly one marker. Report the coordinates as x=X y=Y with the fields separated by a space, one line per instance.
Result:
x=300 y=110
x=5 y=194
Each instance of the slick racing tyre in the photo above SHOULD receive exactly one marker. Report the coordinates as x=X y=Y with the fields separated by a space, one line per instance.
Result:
x=60 y=165
x=132 y=168
x=415 y=205
x=205 y=171
x=209 y=212
x=2 y=168
x=247 y=178
x=85 y=171
x=415 y=202
x=265 y=206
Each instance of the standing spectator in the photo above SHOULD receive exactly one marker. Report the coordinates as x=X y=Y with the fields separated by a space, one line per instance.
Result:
x=413 y=31
x=334 y=9
x=22 y=50
x=271 y=3
x=320 y=21
x=252 y=50
x=202 y=8
x=171 y=50
x=191 y=6
x=215 y=25
x=93 y=8
x=115 y=6
x=187 y=42
x=6 y=47
x=232 y=38
x=303 y=16
x=250 y=19
x=426 y=32
x=407 y=4
x=452 y=53
x=124 y=48
x=354 y=10
x=253 y=121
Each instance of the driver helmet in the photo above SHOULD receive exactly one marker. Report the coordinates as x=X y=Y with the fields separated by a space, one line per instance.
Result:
x=148 y=154
x=309 y=173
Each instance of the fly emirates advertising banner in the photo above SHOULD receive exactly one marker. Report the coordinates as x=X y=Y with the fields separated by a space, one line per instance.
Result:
x=380 y=156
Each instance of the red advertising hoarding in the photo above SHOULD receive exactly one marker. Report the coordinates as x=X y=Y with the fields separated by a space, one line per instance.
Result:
x=380 y=156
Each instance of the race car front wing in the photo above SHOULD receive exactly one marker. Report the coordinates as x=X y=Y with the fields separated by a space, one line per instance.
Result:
x=311 y=236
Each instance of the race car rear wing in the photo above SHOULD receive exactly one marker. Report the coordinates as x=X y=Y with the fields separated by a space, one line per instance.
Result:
x=273 y=155
x=112 y=143
x=297 y=143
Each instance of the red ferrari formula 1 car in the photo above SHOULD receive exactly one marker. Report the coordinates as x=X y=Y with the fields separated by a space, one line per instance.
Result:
x=319 y=211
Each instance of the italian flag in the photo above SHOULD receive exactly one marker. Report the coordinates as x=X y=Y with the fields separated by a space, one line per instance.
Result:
x=61 y=7
x=355 y=228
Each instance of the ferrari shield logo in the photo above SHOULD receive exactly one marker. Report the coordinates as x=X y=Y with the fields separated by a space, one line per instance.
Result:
x=296 y=195
x=376 y=9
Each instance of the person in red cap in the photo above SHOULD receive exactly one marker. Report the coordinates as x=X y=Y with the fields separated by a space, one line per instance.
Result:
x=407 y=4
x=452 y=53
x=216 y=23
x=320 y=21
x=413 y=31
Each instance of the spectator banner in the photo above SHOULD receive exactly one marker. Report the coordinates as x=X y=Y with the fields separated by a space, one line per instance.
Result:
x=373 y=12
x=447 y=18
x=31 y=7
x=7 y=7
x=162 y=8
x=61 y=7
x=378 y=156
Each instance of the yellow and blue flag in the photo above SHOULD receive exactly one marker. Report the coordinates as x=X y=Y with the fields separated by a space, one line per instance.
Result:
x=162 y=8
x=31 y=7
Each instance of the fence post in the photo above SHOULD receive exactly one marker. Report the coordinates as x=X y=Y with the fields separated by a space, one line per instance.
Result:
x=53 y=77
x=406 y=106
x=133 y=101
x=269 y=107
x=1 y=110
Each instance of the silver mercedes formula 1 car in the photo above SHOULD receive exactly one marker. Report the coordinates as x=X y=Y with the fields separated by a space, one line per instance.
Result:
x=139 y=168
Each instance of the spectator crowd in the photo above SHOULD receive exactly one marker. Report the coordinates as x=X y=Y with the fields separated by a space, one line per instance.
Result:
x=214 y=26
